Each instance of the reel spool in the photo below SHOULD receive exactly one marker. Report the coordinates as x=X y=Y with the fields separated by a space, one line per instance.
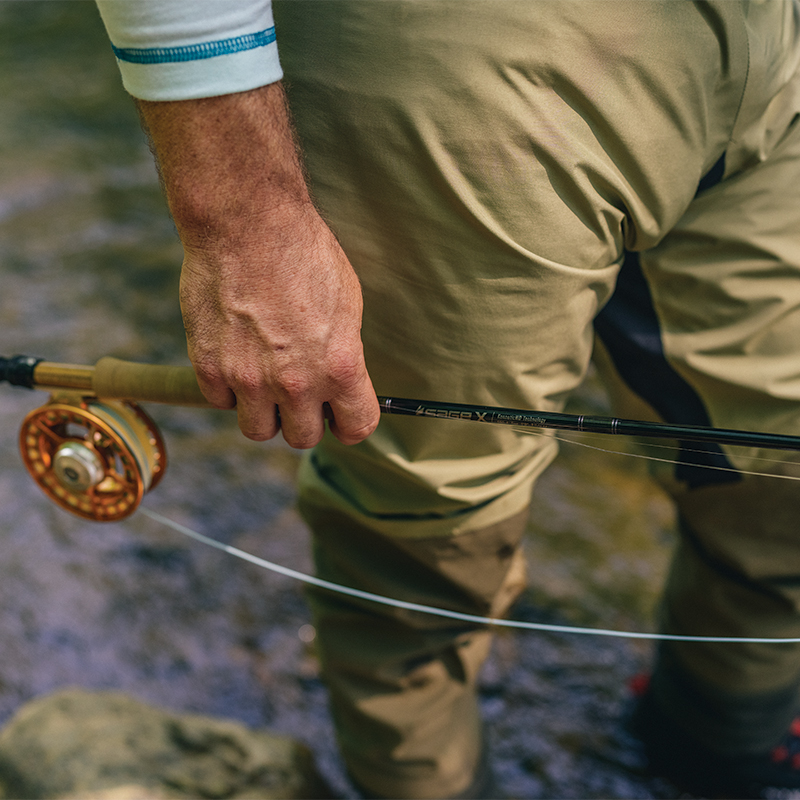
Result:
x=94 y=458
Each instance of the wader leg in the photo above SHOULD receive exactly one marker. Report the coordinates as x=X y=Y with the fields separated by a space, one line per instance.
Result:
x=402 y=684
x=724 y=289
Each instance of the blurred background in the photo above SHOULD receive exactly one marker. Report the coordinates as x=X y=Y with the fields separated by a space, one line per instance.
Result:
x=89 y=264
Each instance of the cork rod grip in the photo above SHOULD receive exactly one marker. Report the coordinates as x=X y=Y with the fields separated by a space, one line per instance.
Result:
x=126 y=380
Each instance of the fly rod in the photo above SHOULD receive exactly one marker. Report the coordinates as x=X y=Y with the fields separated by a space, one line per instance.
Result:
x=95 y=452
x=113 y=378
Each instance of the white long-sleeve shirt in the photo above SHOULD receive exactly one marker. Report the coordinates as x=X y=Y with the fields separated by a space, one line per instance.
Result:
x=186 y=49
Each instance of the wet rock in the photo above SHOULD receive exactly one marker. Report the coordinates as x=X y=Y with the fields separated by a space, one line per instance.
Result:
x=93 y=745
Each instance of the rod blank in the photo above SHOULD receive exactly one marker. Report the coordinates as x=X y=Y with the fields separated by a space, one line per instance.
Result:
x=591 y=424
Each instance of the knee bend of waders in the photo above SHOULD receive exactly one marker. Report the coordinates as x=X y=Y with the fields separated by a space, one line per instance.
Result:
x=480 y=572
x=367 y=648
x=446 y=775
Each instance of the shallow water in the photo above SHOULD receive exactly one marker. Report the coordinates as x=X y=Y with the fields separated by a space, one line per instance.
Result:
x=89 y=263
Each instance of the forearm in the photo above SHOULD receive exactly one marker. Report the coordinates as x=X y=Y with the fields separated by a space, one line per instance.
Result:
x=229 y=166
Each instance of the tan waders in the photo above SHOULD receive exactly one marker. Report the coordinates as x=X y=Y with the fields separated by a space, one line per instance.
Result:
x=490 y=169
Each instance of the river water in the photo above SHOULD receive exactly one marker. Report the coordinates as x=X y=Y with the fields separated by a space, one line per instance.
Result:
x=90 y=262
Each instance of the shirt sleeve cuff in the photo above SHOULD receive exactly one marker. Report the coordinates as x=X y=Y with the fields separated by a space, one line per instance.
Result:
x=208 y=77
x=188 y=49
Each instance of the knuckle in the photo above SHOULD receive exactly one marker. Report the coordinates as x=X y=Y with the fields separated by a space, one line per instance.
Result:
x=359 y=428
x=296 y=386
x=247 y=381
x=214 y=386
x=348 y=372
x=207 y=370
x=256 y=422
x=367 y=429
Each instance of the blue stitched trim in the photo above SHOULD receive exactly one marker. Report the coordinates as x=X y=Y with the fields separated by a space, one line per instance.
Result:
x=194 y=52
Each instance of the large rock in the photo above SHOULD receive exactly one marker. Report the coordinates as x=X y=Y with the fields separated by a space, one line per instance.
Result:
x=80 y=744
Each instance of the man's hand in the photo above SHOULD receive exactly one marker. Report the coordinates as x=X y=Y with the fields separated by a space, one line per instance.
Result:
x=271 y=305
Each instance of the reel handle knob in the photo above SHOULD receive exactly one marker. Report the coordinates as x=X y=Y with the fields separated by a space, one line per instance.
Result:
x=77 y=466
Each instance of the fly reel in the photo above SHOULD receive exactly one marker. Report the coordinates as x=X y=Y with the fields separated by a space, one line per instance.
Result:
x=95 y=458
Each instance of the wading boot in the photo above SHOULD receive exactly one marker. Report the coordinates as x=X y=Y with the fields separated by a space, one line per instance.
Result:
x=694 y=767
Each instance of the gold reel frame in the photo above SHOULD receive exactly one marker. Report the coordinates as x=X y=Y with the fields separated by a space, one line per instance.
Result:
x=121 y=446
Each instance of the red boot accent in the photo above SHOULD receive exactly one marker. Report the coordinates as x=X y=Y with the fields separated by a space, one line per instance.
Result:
x=780 y=753
x=638 y=685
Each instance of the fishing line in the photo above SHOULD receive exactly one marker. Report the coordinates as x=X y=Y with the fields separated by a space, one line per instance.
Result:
x=651 y=445
x=442 y=612
x=674 y=461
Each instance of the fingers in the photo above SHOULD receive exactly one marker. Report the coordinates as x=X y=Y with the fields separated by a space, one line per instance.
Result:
x=353 y=413
x=258 y=422
x=302 y=425
x=258 y=419
x=352 y=417
x=275 y=393
x=256 y=409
